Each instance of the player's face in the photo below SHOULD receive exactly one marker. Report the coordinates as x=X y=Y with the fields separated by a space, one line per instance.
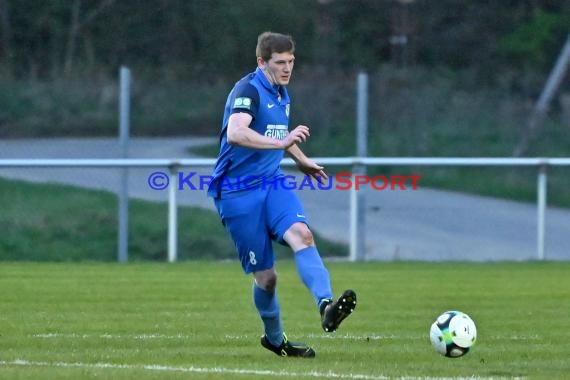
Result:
x=279 y=68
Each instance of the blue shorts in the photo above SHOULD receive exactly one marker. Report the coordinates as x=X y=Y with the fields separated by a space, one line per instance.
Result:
x=257 y=218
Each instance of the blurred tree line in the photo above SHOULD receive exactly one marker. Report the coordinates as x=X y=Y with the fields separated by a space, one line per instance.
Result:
x=197 y=38
x=444 y=73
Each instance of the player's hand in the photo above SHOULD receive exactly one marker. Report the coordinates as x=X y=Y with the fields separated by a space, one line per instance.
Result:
x=296 y=136
x=312 y=169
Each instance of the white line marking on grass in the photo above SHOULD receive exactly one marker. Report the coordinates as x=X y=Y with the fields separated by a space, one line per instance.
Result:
x=109 y=336
x=192 y=369
x=220 y=370
x=515 y=337
x=333 y=336
x=367 y=337
x=361 y=337
x=250 y=337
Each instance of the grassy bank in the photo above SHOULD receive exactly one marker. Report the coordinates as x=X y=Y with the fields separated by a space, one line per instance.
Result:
x=48 y=222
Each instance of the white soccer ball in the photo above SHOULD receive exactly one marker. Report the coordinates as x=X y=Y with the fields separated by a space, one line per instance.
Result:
x=453 y=333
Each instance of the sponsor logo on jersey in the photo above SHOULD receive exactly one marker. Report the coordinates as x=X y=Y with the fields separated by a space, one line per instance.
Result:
x=277 y=131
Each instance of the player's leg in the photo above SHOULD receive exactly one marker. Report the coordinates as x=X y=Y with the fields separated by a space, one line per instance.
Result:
x=274 y=339
x=244 y=219
x=267 y=305
x=308 y=262
x=316 y=277
x=289 y=225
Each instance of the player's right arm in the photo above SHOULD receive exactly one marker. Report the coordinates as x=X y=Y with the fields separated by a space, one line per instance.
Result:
x=239 y=133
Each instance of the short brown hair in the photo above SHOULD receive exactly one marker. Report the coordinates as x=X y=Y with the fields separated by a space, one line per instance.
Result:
x=269 y=43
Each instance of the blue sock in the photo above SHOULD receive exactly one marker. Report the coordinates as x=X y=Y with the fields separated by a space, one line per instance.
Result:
x=313 y=273
x=267 y=306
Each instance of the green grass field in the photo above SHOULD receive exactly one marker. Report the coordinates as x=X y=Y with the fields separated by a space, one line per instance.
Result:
x=196 y=320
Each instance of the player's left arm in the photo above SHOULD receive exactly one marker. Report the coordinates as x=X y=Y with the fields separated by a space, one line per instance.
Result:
x=305 y=164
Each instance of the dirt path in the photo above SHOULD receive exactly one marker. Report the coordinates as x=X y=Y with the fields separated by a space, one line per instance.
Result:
x=425 y=224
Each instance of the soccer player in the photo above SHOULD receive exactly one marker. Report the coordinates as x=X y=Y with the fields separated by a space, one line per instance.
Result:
x=254 y=208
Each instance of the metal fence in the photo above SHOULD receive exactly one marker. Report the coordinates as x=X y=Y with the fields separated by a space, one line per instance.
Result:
x=356 y=222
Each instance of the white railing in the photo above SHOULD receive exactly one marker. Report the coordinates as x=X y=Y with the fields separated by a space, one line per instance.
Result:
x=174 y=164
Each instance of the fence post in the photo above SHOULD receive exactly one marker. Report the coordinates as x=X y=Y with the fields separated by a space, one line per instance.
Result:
x=124 y=126
x=357 y=198
x=541 y=210
x=172 y=215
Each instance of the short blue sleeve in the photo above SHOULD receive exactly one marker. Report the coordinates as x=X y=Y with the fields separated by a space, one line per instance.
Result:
x=245 y=99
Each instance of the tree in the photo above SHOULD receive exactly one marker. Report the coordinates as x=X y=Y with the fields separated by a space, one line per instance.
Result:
x=6 y=37
x=76 y=25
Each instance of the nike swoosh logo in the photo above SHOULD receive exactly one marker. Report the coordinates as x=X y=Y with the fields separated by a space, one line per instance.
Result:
x=300 y=215
x=270 y=105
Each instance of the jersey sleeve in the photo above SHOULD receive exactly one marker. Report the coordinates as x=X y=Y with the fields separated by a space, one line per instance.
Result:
x=245 y=99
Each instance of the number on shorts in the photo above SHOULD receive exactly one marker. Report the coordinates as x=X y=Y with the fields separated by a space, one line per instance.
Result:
x=252 y=259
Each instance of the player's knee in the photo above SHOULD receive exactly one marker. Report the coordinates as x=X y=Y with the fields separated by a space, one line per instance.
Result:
x=303 y=234
x=271 y=283
x=266 y=280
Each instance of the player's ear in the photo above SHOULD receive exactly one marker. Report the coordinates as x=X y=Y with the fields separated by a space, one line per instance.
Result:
x=261 y=63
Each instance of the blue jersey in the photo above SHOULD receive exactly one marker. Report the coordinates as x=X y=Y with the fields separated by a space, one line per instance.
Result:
x=241 y=169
